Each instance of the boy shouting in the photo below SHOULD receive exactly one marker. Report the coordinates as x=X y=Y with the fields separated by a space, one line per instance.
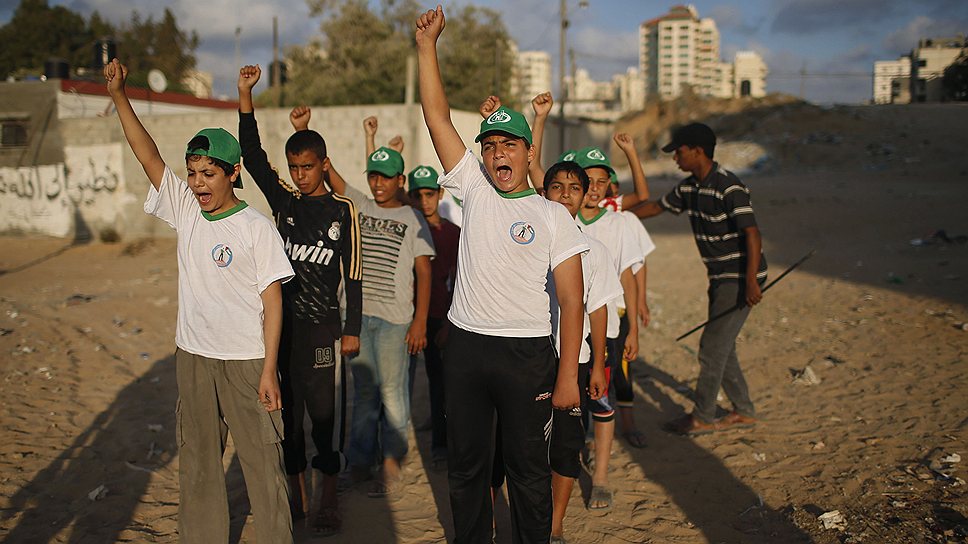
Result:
x=499 y=360
x=231 y=265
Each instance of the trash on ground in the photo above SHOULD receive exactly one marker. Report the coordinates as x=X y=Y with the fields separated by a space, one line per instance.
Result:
x=806 y=377
x=833 y=520
x=98 y=493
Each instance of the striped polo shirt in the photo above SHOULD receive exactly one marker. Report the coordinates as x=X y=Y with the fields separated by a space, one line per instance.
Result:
x=719 y=208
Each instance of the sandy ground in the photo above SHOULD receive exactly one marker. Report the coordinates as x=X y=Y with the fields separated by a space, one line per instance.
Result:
x=88 y=392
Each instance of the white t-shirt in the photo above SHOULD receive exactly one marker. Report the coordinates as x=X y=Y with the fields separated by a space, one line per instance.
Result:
x=508 y=244
x=392 y=239
x=642 y=238
x=601 y=286
x=225 y=262
x=612 y=230
x=450 y=209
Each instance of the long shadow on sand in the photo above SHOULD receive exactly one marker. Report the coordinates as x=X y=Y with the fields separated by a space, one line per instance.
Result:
x=719 y=505
x=117 y=451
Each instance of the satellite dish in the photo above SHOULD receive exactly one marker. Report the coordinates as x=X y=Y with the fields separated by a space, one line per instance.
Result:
x=157 y=81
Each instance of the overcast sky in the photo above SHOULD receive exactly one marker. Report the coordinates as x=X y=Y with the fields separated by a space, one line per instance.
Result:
x=836 y=40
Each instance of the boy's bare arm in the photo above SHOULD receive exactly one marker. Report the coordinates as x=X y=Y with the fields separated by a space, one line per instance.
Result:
x=630 y=288
x=248 y=76
x=627 y=145
x=570 y=291
x=754 y=248
x=644 y=210
x=598 y=385
x=447 y=142
x=370 y=125
x=139 y=140
x=417 y=333
x=542 y=108
x=641 y=279
x=299 y=118
x=269 y=393
x=333 y=179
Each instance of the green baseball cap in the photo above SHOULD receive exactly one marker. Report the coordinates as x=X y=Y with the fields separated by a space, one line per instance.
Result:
x=385 y=161
x=614 y=177
x=505 y=120
x=593 y=157
x=220 y=145
x=423 y=177
x=567 y=156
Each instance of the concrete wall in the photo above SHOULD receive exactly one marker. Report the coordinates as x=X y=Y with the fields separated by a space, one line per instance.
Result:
x=36 y=103
x=98 y=186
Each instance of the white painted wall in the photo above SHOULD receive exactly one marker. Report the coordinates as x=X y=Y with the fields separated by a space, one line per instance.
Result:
x=101 y=183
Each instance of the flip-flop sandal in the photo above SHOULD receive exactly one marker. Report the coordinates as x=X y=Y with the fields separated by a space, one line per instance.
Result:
x=328 y=523
x=635 y=439
x=558 y=540
x=601 y=495
x=389 y=490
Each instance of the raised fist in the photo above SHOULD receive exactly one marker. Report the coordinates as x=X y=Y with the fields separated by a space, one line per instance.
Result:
x=624 y=141
x=489 y=106
x=370 y=125
x=249 y=76
x=430 y=25
x=299 y=117
x=115 y=74
x=542 y=104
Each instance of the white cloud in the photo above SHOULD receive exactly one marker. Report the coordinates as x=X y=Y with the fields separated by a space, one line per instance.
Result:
x=906 y=38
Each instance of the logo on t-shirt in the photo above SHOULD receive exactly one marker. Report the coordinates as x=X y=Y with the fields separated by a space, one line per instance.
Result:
x=498 y=117
x=222 y=255
x=522 y=232
x=334 y=231
x=379 y=155
x=595 y=155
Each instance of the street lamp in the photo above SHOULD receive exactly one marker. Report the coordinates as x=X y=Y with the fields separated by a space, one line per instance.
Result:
x=582 y=4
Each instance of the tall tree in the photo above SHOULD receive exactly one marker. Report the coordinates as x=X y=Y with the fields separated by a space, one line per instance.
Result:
x=476 y=57
x=37 y=32
x=146 y=45
x=362 y=55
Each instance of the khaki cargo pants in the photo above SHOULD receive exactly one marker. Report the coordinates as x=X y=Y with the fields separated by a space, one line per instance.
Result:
x=215 y=397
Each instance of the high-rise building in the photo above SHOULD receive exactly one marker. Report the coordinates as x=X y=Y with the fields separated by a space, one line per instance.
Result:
x=892 y=81
x=679 y=50
x=533 y=75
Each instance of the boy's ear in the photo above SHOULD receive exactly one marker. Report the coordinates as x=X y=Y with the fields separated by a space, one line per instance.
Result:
x=326 y=164
x=235 y=173
x=530 y=153
x=401 y=180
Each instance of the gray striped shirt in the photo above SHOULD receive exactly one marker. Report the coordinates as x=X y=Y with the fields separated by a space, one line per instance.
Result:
x=719 y=208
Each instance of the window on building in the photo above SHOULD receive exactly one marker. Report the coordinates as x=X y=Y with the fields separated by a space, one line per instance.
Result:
x=922 y=63
x=13 y=133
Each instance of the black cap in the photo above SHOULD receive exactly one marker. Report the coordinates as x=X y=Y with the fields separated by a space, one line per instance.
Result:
x=691 y=135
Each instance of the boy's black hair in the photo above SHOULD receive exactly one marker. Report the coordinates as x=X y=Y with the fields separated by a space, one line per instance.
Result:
x=306 y=140
x=708 y=149
x=201 y=142
x=569 y=167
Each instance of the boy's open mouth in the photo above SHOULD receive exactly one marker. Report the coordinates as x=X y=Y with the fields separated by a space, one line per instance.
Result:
x=204 y=198
x=503 y=174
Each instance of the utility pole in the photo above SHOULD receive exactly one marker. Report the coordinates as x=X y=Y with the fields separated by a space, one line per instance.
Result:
x=803 y=78
x=561 y=76
x=276 y=72
x=238 y=46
